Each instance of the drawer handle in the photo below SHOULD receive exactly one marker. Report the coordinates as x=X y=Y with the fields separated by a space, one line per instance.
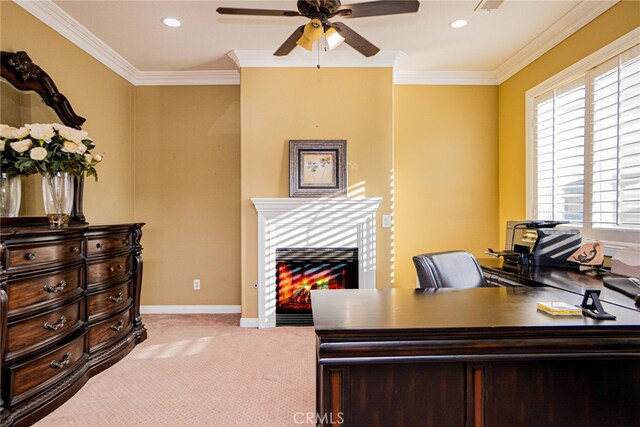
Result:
x=30 y=256
x=118 y=326
x=111 y=269
x=125 y=241
x=64 y=362
x=75 y=249
x=100 y=245
x=116 y=298
x=54 y=289
x=57 y=325
x=119 y=266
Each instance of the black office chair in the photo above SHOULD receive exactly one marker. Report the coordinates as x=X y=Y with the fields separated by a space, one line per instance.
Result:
x=453 y=269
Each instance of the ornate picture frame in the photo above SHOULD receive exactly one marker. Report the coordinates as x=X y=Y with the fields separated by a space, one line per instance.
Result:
x=317 y=168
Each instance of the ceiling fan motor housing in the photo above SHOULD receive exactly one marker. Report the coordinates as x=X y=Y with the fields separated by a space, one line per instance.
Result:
x=321 y=9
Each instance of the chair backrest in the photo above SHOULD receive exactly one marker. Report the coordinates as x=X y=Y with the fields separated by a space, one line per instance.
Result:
x=453 y=269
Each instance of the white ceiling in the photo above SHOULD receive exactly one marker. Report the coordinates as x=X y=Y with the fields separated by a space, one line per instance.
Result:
x=509 y=37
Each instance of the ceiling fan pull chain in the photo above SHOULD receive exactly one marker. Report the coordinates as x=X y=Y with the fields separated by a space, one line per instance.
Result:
x=318 y=54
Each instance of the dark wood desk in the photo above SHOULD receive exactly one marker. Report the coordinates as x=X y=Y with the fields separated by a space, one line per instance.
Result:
x=472 y=357
x=498 y=272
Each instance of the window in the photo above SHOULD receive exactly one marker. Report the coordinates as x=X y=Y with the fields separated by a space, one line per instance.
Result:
x=584 y=147
x=615 y=142
x=559 y=134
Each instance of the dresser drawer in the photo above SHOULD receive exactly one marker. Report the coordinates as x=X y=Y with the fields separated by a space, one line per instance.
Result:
x=26 y=379
x=104 y=303
x=110 y=330
x=107 y=244
x=43 y=289
x=110 y=269
x=45 y=329
x=34 y=255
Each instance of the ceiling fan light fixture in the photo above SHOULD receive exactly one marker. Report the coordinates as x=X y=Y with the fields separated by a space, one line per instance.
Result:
x=313 y=30
x=334 y=39
x=305 y=43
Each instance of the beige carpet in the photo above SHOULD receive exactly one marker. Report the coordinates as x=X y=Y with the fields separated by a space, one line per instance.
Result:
x=201 y=370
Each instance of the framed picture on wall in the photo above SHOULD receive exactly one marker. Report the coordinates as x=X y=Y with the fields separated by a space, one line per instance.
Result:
x=317 y=168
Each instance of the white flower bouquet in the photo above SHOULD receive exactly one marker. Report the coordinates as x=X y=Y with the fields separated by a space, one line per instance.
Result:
x=46 y=149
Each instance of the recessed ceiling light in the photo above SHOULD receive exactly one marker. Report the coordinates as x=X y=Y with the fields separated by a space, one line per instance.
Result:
x=171 y=22
x=458 y=23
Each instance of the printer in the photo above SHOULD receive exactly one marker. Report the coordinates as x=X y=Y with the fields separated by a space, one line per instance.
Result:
x=541 y=243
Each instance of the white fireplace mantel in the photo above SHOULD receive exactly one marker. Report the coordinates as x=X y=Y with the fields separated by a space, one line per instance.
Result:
x=312 y=223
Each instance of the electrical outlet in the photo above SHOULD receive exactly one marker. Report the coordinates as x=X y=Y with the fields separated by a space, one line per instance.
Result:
x=386 y=221
x=196 y=284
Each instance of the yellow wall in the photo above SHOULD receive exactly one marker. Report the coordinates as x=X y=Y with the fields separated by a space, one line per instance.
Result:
x=614 y=23
x=446 y=158
x=96 y=93
x=187 y=191
x=186 y=170
x=173 y=156
x=306 y=103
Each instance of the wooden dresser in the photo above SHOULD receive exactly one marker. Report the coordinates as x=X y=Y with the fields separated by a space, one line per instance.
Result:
x=69 y=306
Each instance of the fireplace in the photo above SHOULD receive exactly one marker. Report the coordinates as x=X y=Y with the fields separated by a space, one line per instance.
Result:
x=301 y=270
x=311 y=223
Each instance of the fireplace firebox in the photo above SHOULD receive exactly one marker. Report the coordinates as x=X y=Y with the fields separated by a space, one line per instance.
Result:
x=301 y=270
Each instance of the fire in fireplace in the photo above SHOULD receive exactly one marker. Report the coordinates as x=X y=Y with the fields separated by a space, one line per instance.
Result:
x=301 y=270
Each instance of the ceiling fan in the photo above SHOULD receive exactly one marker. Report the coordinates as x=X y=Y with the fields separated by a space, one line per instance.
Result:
x=319 y=12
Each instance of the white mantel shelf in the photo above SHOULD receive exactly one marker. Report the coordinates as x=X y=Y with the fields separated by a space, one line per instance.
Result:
x=314 y=204
x=312 y=223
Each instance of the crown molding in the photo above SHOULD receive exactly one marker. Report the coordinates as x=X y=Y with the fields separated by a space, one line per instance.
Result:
x=56 y=18
x=187 y=78
x=49 y=13
x=575 y=19
x=476 y=78
x=300 y=58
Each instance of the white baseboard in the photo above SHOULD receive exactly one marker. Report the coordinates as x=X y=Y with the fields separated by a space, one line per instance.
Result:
x=245 y=322
x=190 y=309
x=248 y=322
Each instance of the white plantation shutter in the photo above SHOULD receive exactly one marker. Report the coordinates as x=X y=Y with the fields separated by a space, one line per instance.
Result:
x=559 y=134
x=615 y=104
x=586 y=150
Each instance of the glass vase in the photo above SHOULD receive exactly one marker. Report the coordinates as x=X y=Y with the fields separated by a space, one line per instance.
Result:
x=57 y=195
x=10 y=195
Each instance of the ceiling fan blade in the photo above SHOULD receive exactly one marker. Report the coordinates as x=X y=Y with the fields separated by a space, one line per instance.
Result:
x=377 y=8
x=355 y=40
x=255 y=12
x=290 y=43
